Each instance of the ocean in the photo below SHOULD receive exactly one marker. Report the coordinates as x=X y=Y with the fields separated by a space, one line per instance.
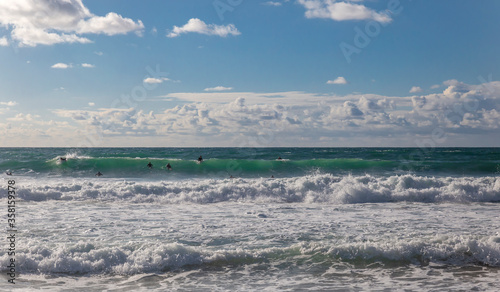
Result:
x=248 y=219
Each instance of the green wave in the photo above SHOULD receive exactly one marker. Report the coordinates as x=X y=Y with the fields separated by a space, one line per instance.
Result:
x=131 y=162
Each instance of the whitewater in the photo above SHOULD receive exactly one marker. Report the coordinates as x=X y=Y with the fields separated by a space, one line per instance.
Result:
x=319 y=219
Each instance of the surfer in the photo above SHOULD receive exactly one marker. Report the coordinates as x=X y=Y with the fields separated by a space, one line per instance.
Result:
x=150 y=165
x=169 y=167
x=62 y=159
x=200 y=159
x=98 y=173
x=279 y=158
x=8 y=173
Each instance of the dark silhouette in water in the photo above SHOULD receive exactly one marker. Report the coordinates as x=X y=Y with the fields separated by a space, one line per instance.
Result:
x=200 y=159
x=169 y=167
x=98 y=173
x=150 y=165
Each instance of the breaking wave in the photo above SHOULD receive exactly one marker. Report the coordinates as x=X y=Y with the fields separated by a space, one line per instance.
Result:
x=86 y=258
x=314 y=188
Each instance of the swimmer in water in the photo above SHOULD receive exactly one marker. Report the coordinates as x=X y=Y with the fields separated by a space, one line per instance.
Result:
x=169 y=167
x=200 y=159
x=8 y=173
x=98 y=173
x=279 y=158
x=150 y=165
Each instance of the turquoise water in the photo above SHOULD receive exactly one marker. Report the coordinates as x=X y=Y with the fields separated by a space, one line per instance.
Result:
x=249 y=162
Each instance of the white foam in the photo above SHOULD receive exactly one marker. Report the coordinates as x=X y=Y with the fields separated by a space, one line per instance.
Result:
x=86 y=258
x=316 y=188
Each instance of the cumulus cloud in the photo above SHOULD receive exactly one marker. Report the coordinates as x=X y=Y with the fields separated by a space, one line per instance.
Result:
x=342 y=10
x=196 y=25
x=462 y=112
x=218 y=88
x=338 y=80
x=8 y=103
x=415 y=89
x=4 y=42
x=86 y=65
x=49 y=22
x=151 y=80
x=460 y=109
x=272 y=3
x=23 y=117
x=111 y=24
x=61 y=66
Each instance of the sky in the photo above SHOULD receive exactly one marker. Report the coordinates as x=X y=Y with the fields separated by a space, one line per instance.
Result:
x=249 y=73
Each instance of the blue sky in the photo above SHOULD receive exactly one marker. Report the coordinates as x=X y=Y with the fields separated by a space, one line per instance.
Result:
x=249 y=73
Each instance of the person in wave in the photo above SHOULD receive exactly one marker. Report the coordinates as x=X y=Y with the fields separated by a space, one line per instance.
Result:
x=62 y=159
x=169 y=167
x=200 y=159
x=8 y=172
x=150 y=165
x=98 y=173
x=279 y=158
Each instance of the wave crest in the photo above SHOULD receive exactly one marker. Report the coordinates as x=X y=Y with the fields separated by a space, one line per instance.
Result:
x=316 y=188
x=84 y=258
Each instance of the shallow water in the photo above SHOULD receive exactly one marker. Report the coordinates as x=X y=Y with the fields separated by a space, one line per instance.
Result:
x=242 y=246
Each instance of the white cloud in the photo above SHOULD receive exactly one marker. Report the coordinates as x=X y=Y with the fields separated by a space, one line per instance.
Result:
x=415 y=89
x=341 y=11
x=32 y=37
x=8 y=103
x=4 y=42
x=91 y=104
x=61 y=66
x=459 y=110
x=151 y=80
x=196 y=25
x=86 y=65
x=111 y=24
x=272 y=3
x=218 y=88
x=338 y=80
x=463 y=113
x=99 y=53
x=23 y=117
x=435 y=86
x=48 y=22
x=284 y=98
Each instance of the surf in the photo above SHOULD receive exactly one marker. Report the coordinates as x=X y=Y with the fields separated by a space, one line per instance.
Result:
x=314 y=188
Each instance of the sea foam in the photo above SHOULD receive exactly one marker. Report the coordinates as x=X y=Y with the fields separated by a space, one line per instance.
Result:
x=86 y=258
x=315 y=188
